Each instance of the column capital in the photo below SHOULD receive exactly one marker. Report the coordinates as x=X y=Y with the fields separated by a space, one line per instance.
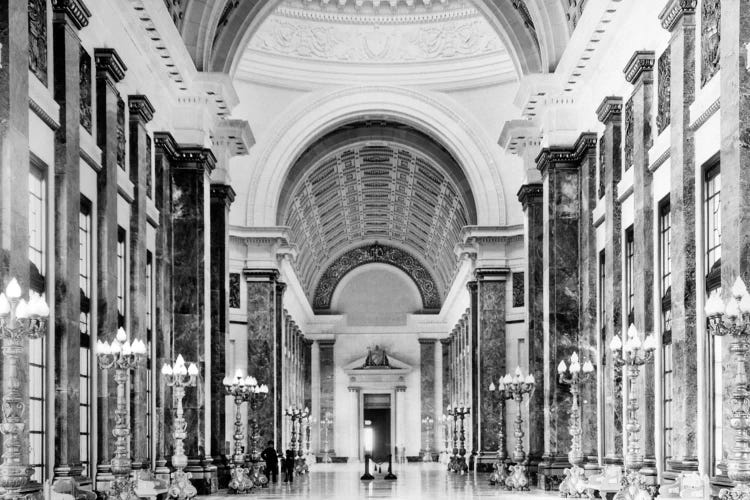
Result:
x=400 y=388
x=472 y=286
x=75 y=10
x=140 y=108
x=674 y=11
x=269 y=275
x=610 y=109
x=326 y=342
x=280 y=287
x=640 y=67
x=222 y=193
x=531 y=193
x=552 y=157
x=492 y=273
x=352 y=388
x=195 y=158
x=165 y=143
x=427 y=341
x=109 y=64
x=446 y=341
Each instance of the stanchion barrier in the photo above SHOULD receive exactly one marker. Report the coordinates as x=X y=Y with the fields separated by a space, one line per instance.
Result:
x=367 y=476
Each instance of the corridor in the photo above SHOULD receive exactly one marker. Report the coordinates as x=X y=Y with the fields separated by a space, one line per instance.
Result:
x=415 y=481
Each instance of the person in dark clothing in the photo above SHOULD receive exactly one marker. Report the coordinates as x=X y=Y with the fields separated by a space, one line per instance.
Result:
x=272 y=462
x=288 y=467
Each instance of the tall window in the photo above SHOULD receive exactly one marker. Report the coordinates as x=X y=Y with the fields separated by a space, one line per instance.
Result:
x=712 y=236
x=121 y=277
x=629 y=262
x=86 y=272
x=602 y=298
x=665 y=291
x=37 y=347
x=150 y=314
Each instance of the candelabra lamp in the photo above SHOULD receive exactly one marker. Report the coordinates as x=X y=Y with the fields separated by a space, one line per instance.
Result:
x=574 y=375
x=238 y=387
x=733 y=318
x=427 y=424
x=633 y=354
x=459 y=414
x=445 y=422
x=178 y=377
x=326 y=423
x=500 y=476
x=19 y=320
x=296 y=416
x=519 y=386
x=255 y=395
x=124 y=357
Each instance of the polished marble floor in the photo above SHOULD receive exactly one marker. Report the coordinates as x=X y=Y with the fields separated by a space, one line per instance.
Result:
x=415 y=481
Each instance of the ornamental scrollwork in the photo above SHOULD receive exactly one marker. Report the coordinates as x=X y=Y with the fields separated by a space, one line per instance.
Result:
x=370 y=254
x=121 y=133
x=85 y=90
x=602 y=165
x=234 y=290
x=664 y=91
x=629 y=124
x=710 y=38
x=38 y=38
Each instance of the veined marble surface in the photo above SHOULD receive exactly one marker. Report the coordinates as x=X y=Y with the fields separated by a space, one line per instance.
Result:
x=415 y=481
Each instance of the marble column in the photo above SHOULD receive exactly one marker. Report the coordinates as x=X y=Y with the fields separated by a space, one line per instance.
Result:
x=400 y=416
x=609 y=113
x=470 y=380
x=327 y=388
x=530 y=196
x=109 y=71
x=488 y=360
x=165 y=149
x=447 y=378
x=264 y=347
x=735 y=174
x=278 y=409
x=222 y=196
x=191 y=305
x=141 y=112
x=639 y=72
x=68 y=19
x=678 y=17
x=318 y=416
x=560 y=169
x=439 y=408
x=427 y=393
x=355 y=446
x=307 y=374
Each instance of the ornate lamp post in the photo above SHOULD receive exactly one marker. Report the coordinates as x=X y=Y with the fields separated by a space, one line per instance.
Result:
x=178 y=376
x=123 y=357
x=733 y=318
x=255 y=395
x=502 y=394
x=459 y=414
x=574 y=484
x=518 y=386
x=633 y=354
x=326 y=423
x=237 y=388
x=297 y=416
x=19 y=320
x=445 y=421
x=427 y=423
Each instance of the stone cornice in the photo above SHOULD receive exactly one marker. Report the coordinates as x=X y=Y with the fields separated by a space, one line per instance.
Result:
x=140 y=108
x=234 y=134
x=432 y=341
x=529 y=193
x=610 y=109
x=556 y=154
x=39 y=110
x=109 y=64
x=640 y=64
x=269 y=275
x=223 y=192
x=196 y=155
x=491 y=273
x=674 y=11
x=516 y=133
x=76 y=10
x=708 y=113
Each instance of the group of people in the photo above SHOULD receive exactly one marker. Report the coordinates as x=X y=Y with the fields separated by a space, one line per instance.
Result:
x=272 y=459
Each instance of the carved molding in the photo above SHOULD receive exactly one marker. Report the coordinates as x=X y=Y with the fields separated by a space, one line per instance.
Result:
x=38 y=39
x=602 y=165
x=641 y=63
x=529 y=193
x=710 y=39
x=375 y=42
x=149 y=168
x=549 y=156
x=75 y=9
x=519 y=289
x=664 y=90
x=609 y=109
x=109 y=64
x=708 y=113
x=85 y=89
x=140 y=108
x=674 y=11
x=121 y=138
x=382 y=254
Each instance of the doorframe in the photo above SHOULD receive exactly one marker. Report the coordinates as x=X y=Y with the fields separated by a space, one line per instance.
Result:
x=361 y=421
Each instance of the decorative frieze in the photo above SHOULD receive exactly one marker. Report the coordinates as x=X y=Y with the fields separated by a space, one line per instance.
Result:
x=518 y=289
x=38 y=39
x=150 y=168
x=629 y=124
x=602 y=166
x=664 y=91
x=121 y=133
x=84 y=101
x=710 y=37
x=234 y=290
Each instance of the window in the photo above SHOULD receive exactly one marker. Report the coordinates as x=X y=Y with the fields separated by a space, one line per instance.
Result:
x=602 y=302
x=712 y=237
x=629 y=262
x=150 y=315
x=37 y=347
x=665 y=265
x=121 y=277
x=86 y=272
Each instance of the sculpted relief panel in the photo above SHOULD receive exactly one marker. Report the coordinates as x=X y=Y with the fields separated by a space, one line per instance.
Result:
x=376 y=42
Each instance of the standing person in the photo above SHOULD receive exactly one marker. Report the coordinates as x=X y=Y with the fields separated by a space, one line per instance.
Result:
x=288 y=467
x=272 y=462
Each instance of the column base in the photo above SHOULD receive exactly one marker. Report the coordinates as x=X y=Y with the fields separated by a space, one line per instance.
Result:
x=551 y=472
x=204 y=475
x=104 y=478
x=485 y=461
x=223 y=471
x=162 y=472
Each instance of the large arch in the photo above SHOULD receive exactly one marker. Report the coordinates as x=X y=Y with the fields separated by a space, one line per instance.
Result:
x=216 y=33
x=318 y=113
